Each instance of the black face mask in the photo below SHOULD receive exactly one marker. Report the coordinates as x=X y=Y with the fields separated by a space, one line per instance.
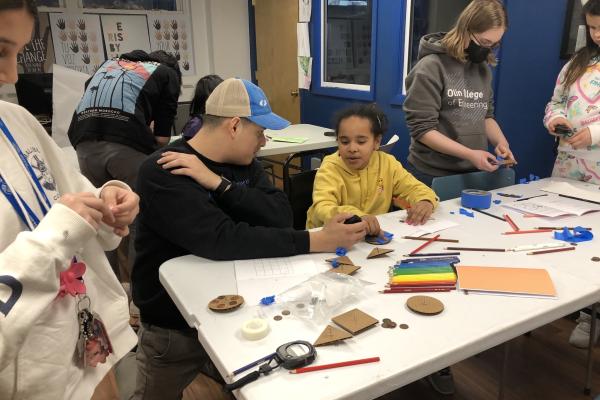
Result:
x=476 y=53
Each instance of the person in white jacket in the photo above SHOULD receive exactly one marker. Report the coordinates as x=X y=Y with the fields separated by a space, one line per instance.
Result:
x=50 y=215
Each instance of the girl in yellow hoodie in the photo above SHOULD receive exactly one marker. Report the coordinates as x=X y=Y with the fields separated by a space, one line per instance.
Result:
x=361 y=180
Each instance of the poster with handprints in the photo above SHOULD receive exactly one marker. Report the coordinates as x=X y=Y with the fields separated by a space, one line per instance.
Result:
x=172 y=32
x=124 y=33
x=77 y=41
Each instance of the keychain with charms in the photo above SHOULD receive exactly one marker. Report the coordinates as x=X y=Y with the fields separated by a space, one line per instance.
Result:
x=93 y=344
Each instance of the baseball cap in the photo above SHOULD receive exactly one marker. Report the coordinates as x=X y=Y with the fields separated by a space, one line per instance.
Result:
x=236 y=97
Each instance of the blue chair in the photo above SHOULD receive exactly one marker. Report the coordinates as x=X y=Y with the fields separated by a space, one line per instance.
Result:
x=450 y=187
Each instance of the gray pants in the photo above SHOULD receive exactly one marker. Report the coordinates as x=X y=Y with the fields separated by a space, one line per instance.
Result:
x=168 y=361
x=101 y=162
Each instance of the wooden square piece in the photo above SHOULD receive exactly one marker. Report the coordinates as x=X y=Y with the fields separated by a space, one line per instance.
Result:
x=355 y=321
x=345 y=269
x=331 y=335
x=378 y=252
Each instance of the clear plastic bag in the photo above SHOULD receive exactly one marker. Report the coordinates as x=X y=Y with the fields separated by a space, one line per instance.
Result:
x=322 y=296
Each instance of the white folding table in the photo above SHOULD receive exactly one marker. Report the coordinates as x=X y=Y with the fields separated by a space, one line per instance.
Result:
x=469 y=324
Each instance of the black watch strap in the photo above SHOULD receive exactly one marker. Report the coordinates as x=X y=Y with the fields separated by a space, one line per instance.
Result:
x=225 y=183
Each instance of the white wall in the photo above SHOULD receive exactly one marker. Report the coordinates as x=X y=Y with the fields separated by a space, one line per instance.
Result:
x=221 y=41
x=230 y=37
x=221 y=38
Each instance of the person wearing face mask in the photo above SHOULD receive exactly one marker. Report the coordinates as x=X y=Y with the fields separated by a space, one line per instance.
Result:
x=449 y=102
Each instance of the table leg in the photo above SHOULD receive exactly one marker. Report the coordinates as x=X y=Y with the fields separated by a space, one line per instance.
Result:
x=590 y=361
x=504 y=372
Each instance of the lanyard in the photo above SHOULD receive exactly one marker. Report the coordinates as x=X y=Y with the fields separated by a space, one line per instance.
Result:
x=33 y=219
x=28 y=167
x=25 y=213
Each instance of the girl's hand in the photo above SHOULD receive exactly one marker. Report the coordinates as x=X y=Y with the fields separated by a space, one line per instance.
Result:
x=124 y=205
x=558 y=121
x=190 y=165
x=503 y=151
x=581 y=139
x=373 y=228
x=89 y=207
x=419 y=213
x=482 y=160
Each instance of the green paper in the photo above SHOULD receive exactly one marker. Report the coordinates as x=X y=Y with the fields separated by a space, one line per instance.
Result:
x=289 y=139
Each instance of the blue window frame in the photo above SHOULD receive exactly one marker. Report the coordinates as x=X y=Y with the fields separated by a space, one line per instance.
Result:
x=344 y=57
x=421 y=17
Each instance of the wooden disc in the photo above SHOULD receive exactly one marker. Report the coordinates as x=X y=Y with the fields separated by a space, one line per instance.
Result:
x=376 y=240
x=425 y=305
x=226 y=303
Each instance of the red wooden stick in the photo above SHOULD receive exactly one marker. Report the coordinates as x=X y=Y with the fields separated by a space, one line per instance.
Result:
x=512 y=224
x=427 y=243
x=530 y=231
x=334 y=365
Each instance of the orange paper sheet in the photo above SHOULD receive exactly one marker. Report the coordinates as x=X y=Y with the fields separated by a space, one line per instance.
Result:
x=528 y=281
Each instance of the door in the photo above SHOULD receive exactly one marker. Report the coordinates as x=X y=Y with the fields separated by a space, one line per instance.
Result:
x=276 y=55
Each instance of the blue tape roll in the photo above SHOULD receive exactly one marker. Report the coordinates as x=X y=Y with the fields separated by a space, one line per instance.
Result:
x=472 y=198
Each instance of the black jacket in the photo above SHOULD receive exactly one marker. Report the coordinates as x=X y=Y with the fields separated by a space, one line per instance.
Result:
x=177 y=217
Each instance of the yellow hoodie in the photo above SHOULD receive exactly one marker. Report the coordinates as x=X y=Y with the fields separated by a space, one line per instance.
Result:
x=368 y=191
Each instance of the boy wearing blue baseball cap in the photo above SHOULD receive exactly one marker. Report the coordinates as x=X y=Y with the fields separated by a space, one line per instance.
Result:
x=211 y=198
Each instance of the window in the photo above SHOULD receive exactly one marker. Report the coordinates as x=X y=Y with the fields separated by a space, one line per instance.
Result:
x=346 y=55
x=428 y=16
x=165 y=5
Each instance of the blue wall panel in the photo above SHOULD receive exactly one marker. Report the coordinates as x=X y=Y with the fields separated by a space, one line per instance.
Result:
x=527 y=73
x=525 y=77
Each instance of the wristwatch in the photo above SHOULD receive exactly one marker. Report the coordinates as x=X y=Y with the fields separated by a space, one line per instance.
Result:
x=223 y=186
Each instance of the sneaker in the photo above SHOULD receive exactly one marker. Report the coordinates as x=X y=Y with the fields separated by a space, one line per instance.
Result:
x=580 y=337
x=442 y=381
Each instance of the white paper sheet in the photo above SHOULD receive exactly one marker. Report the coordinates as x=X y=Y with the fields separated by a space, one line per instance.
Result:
x=266 y=277
x=77 y=41
x=552 y=208
x=572 y=190
x=172 y=32
x=304 y=8
x=435 y=224
x=124 y=33
x=304 y=72
x=303 y=39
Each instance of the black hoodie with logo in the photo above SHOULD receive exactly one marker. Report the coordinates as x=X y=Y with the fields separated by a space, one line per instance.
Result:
x=451 y=97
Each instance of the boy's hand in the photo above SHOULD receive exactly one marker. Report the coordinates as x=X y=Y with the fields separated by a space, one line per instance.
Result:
x=337 y=234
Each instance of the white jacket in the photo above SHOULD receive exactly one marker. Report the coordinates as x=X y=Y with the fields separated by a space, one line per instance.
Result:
x=39 y=333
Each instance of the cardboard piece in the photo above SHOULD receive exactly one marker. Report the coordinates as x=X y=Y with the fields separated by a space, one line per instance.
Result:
x=510 y=281
x=342 y=260
x=425 y=305
x=378 y=252
x=345 y=269
x=331 y=335
x=355 y=321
